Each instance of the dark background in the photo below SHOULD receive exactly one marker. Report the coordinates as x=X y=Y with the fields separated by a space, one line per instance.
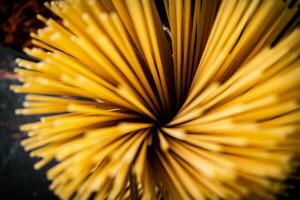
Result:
x=18 y=179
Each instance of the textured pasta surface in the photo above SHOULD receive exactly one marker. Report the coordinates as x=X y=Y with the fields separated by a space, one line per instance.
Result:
x=201 y=105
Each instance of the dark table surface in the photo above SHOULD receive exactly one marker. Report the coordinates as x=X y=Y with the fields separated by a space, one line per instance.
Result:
x=18 y=179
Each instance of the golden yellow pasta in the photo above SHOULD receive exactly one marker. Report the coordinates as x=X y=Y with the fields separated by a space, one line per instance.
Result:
x=201 y=105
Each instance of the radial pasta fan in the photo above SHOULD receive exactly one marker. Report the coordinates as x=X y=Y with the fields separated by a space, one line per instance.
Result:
x=201 y=105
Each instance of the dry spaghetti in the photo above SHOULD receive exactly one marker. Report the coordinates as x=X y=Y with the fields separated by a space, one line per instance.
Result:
x=205 y=106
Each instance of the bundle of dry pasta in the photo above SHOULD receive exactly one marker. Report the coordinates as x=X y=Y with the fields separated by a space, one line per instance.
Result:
x=204 y=106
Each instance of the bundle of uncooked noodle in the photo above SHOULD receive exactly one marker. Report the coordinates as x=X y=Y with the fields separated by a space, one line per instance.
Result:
x=202 y=105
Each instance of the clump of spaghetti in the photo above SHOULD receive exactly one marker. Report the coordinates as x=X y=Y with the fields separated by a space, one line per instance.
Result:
x=205 y=107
